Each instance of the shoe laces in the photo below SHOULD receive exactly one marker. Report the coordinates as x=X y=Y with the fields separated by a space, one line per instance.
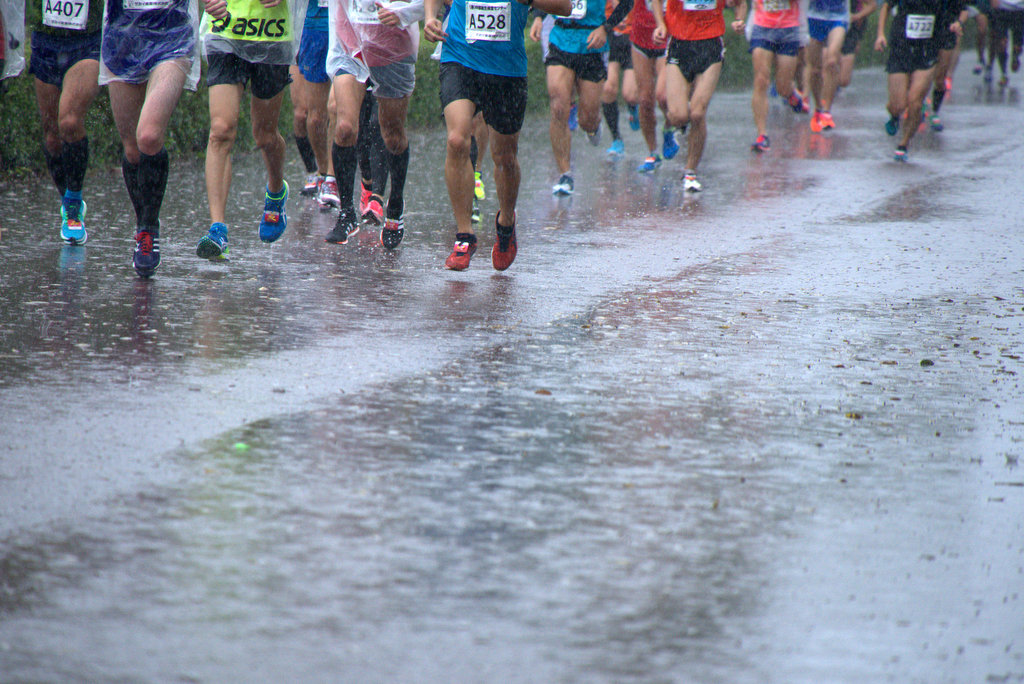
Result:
x=144 y=241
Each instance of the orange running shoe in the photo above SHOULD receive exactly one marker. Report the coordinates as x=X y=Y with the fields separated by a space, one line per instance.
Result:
x=462 y=252
x=816 y=122
x=504 y=251
x=825 y=118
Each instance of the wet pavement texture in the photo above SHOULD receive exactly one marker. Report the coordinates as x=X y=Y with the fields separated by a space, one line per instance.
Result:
x=766 y=433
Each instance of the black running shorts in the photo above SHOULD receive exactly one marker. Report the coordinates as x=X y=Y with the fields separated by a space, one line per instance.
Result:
x=264 y=80
x=694 y=57
x=502 y=99
x=588 y=67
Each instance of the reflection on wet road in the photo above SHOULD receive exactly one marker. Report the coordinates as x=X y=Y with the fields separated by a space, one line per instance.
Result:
x=770 y=433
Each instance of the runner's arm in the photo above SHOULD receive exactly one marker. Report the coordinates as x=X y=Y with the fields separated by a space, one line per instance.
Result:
x=740 y=13
x=880 y=41
x=866 y=8
x=660 y=30
x=433 y=29
x=561 y=8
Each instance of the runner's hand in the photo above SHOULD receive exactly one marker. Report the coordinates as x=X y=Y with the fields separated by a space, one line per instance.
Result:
x=597 y=38
x=660 y=34
x=218 y=9
x=387 y=17
x=738 y=26
x=535 y=28
x=880 y=44
x=433 y=30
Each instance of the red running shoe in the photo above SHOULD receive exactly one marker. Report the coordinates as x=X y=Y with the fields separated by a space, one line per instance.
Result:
x=504 y=251
x=462 y=252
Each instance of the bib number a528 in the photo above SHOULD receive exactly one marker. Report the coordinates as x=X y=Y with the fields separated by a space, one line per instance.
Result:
x=488 y=21
x=66 y=14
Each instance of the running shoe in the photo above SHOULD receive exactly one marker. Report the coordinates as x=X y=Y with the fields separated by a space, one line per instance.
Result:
x=275 y=220
x=504 y=251
x=616 y=149
x=574 y=121
x=312 y=186
x=328 y=195
x=690 y=182
x=374 y=210
x=816 y=122
x=935 y=122
x=772 y=90
x=807 y=102
x=827 y=124
x=475 y=216
x=795 y=102
x=595 y=137
x=147 y=251
x=948 y=84
x=649 y=164
x=901 y=154
x=1003 y=81
x=392 y=232
x=478 y=186
x=365 y=194
x=462 y=252
x=762 y=144
x=634 y=117
x=214 y=245
x=72 y=222
x=978 y=68
x=669 y=146
x=563 y=187
x=892 y=126
x=345 y=227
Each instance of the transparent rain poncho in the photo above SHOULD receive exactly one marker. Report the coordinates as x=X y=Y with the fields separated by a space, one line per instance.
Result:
x=140 y=34
x=255 y=33
x=12 y=28
x=358 y=40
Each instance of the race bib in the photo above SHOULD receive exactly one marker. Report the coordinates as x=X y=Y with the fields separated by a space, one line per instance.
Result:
x=920 y=26
x=488 y=21
x=776 y=5
x=323 y=3
x=579 y=9
x=699 y=5
x=360 y=12
x=66 y=14
x=145 y=5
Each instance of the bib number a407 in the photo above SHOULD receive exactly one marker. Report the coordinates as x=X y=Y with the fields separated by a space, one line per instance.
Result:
x=66 y=14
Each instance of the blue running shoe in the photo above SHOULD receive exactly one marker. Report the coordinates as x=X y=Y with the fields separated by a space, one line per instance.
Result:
x=214 y=245
x=574 y=122
x=892 y=126
x=72 y=222
x=772 y=90
x=634 y=117
x=649 y=164
x=900 y=155
x=274 y=220
x=669 y=146
x=615 y=149
x=147 y=251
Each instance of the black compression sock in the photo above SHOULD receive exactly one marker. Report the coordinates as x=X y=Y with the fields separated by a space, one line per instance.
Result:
x=398 y=165
x=75 y=159
x=937 y=96
x=55 y=164
x=307 y=154
x=131 y=182
x=474 y=151
x=611 y=115
x=153 y=171
x=344 y=159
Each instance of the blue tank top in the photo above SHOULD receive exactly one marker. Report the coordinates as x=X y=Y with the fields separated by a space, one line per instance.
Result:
x=487 y=36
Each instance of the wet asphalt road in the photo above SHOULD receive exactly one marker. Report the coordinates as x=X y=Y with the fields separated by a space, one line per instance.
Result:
x=768 y=433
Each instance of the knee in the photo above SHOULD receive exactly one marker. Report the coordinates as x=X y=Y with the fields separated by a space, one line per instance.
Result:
x=761 y=81
x=345 y=133
x=697 y=115
x=300 y=119
x=71 y=127
x=265 y=137
x=394 y=138
x=317 y=119
x=458 y=145
x=150 y=140
x=222 y=133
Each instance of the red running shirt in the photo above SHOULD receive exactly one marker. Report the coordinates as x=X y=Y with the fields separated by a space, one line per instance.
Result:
x=695 y=19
